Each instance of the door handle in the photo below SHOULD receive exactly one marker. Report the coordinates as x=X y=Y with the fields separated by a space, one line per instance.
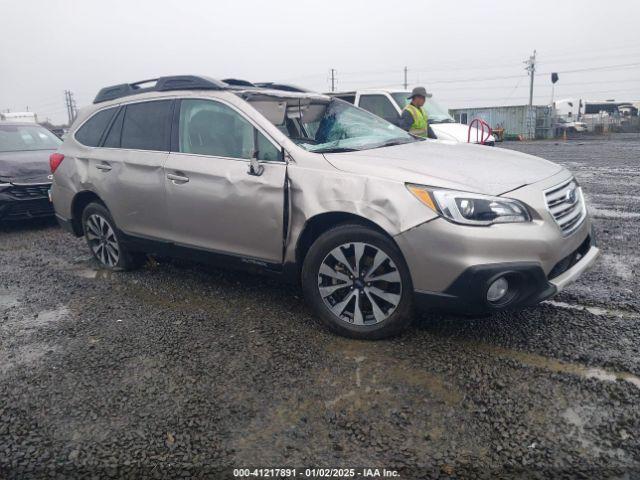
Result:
x=177 y=178
x=105 y=167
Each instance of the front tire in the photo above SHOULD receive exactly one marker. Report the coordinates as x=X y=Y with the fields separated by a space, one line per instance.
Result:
x=104 y=239
x=357 y=283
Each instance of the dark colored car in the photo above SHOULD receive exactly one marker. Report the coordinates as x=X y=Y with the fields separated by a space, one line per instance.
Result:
x=25 y=176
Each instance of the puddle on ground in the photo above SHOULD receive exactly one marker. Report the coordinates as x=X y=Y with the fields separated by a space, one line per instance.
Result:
x=583 y=418
x=615 y=196
x=558 y=366
x=623 y=268
x=376 y=371
x=612 y=214
x=601 y=311
x=30 y=354
x=360 y=382
x=92 y=273
x=48 y=316
x=8 y=299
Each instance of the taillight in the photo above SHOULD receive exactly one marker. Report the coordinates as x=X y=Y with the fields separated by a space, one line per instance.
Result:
x=55 y=159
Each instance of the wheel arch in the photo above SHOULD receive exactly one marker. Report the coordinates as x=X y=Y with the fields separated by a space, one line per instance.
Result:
x=78 y=204
x=319 y=224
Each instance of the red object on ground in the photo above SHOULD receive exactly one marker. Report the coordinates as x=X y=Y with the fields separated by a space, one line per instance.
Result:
x=482 y=127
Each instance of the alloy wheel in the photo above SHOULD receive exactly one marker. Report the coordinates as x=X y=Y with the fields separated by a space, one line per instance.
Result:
x=102 y=240
x=359 y=283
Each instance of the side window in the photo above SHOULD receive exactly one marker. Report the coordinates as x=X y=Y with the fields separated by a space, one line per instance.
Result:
x=381 y=106
x=113 y=137
x=267 y=150
x=348 y=98
x=212 y=128
x=146 y=126
x=91 y=132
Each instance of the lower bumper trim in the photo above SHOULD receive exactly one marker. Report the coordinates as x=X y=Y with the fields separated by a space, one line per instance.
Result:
x=468 y=293
x=561 y=281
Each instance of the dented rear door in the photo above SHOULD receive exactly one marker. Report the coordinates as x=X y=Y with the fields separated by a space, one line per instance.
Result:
x=127 y=171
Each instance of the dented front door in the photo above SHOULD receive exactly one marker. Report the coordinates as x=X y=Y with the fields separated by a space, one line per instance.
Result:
x=214 y=203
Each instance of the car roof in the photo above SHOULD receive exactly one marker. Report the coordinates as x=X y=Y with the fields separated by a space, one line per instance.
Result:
x=369 y=90
x=19 y=124
x=158 y=87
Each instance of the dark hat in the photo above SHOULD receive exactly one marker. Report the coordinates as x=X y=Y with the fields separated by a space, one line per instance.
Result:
x=418 y=92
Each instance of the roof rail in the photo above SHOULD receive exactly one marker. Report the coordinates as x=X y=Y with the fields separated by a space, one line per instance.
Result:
x=161 y=84
x=282 y=86
x=237 y=82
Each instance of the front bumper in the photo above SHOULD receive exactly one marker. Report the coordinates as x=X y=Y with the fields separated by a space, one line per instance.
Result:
x=452 y=265
x=528 y=284
x=25 y=201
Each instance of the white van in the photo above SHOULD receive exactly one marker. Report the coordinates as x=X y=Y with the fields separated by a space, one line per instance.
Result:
x=388 y=104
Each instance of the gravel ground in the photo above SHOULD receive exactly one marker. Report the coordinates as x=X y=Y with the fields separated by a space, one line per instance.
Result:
x=185 y=370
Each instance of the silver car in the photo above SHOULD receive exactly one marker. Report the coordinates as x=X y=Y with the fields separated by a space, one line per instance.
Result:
x=371 y=220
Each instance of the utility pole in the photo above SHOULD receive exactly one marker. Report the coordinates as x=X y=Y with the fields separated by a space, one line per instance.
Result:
x=66 y=103
x=531 y=68
x=71 y=106
x=333 y=79
x=405 y=78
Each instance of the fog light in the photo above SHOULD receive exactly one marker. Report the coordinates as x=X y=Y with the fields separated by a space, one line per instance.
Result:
x=497 y=290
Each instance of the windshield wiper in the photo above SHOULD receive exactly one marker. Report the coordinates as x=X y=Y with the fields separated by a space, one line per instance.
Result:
x=335 y=150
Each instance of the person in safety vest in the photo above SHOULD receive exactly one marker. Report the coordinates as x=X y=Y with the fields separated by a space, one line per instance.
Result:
x=414 y=118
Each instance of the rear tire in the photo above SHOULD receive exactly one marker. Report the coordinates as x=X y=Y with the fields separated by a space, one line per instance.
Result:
x=358 y=283
x=105 y=240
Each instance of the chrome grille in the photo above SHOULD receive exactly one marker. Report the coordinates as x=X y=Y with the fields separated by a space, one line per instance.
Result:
x=566 y=205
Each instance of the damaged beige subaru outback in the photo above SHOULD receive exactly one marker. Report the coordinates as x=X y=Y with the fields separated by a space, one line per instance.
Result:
x=370 y=219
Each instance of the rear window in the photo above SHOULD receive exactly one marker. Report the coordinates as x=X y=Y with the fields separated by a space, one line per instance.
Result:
x=91 y=132
x=146 y=126
x=19 y=138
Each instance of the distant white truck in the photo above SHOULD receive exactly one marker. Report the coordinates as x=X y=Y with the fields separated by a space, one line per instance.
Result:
x=389 y=104
x=26 y=117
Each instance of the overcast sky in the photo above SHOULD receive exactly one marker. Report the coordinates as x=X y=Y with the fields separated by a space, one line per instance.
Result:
x=468 y=53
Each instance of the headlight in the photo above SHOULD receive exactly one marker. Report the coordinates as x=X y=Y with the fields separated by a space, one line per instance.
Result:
x=471 y=208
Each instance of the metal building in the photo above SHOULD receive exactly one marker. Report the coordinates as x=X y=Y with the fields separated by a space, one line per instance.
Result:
x=517 y=121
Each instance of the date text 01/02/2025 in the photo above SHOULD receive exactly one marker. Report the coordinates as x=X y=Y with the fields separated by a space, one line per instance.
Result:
x=315 y=473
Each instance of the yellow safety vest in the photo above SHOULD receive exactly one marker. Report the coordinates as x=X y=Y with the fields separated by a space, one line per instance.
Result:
x=420 y=121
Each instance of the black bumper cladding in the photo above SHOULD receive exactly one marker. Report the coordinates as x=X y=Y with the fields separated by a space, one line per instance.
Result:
x=20 y=202
x=468 y=293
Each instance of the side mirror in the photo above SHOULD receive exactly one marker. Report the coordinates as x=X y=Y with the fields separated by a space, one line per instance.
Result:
x=254 y=165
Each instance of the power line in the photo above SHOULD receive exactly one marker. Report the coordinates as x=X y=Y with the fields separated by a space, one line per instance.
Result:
x=448 y=67
x=514 y=90
x=571 y=52
x=498 y=87
x=605 y=67
x=523 y=97
x=504 y=77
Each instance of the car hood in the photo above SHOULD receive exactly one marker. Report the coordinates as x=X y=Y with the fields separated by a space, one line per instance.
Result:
x=457 y=132
x=25 y=167
x=458 y=166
